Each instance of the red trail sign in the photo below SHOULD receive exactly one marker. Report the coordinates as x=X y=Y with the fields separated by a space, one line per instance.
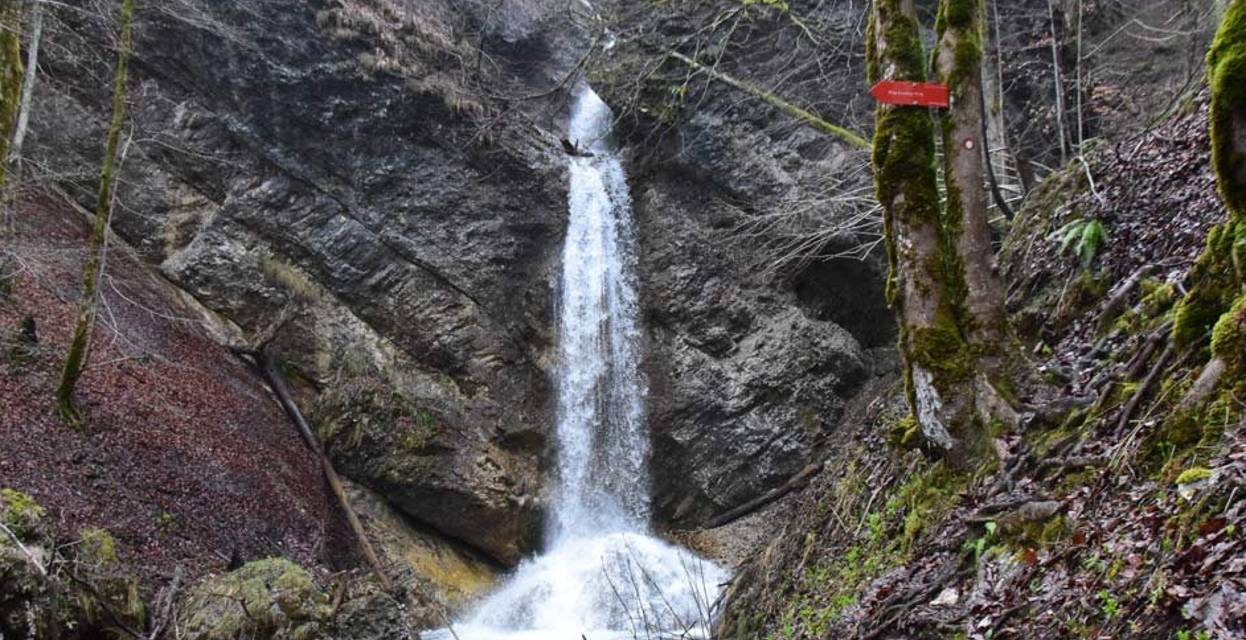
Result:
x=912 y=94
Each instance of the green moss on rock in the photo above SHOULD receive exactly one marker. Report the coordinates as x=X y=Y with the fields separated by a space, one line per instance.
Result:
x=1193 y=435
x=1228 y=338
x=97 y=547
x=1215 y=283
x=364 y=411
x=265 y=599
x=1194 y=474
x=20 y=513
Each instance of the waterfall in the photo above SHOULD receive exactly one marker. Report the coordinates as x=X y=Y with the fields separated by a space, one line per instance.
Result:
x=602 y=576
x=602 y=443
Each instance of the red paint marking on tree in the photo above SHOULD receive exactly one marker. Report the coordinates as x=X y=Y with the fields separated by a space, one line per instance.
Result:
x=912 y=94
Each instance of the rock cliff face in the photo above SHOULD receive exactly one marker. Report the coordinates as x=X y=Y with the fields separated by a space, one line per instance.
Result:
x=374 y=191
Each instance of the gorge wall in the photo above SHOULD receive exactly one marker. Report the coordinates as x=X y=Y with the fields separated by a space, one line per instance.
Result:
x=375 y=191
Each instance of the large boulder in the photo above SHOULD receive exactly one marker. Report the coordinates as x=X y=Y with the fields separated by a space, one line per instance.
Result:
x=415 y=456
x=270 y=598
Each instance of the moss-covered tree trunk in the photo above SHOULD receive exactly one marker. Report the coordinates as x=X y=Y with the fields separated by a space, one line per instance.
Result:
x=958 y=64
x=10 y=85
x=1215 y=305
x=88 y=304
x=1226 y=64
x=944 y=286
x=938 y=382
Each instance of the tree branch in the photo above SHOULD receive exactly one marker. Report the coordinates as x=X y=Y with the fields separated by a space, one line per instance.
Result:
x=783 y=105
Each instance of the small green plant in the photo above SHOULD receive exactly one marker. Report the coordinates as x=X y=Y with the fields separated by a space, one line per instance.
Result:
x=1095 y=564
x=1085 y=236
x=979 y=545
x=1110 y=605
x=166 y=522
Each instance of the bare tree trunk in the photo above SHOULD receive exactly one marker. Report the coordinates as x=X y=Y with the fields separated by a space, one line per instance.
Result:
x=1058 y=80
x=88 y=304
x=10 y=84
x=1081 y=85
x=8 y=190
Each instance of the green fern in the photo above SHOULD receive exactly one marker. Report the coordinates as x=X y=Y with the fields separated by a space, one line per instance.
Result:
x=1085 y=236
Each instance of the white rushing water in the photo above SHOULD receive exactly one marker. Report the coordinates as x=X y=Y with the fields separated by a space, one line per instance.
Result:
x=602 y=576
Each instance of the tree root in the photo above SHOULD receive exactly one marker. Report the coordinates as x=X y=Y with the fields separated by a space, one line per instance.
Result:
x=1205 y=384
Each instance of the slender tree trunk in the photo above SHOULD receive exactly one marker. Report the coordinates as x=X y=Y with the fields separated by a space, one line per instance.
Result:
x=8 y=190
x=272 y=374
x=958 y=64
x=88 y=304
x=1081 y=86
x=10 y=85
x=1058 y=81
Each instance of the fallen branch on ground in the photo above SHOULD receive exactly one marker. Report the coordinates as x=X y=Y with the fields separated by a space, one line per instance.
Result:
x=795 y=482
x=267 y=367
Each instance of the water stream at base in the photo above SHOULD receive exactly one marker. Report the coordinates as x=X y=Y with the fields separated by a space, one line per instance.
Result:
x=602 y=575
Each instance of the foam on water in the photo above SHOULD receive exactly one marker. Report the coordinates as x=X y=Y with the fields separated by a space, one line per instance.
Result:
x=602 y=577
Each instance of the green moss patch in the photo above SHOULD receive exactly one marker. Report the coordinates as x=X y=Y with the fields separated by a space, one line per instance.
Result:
x=267 y=598
x=20 y=513
x=368 y=411
x=1192 y=475
x=1226 y=63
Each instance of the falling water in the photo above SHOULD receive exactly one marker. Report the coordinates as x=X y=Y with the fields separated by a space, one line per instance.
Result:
x=602 y=575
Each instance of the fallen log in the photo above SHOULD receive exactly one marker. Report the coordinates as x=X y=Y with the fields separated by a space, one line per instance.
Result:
x=795 y=482
x=276 y=380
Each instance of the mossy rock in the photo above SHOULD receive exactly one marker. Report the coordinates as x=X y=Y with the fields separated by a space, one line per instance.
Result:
x=1228 y=337
x=366 y=410
x=113 y=599
x=1193 y=436
x=21 y=514
x=265 y=599
x=373 y=615
x=22 y=587
x=97 y=547
x=1216 y=284
x=1194 y=474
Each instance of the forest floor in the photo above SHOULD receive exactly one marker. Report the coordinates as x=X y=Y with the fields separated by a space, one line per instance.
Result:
x=188 y=460
x=1101 y=520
